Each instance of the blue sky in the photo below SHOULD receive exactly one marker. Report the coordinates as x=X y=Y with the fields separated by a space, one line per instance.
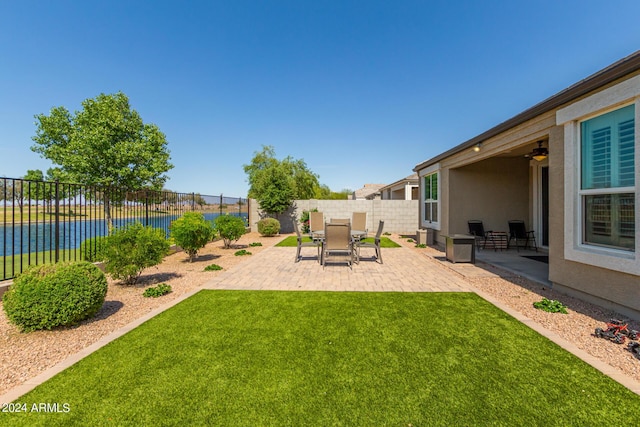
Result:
x=361 y=90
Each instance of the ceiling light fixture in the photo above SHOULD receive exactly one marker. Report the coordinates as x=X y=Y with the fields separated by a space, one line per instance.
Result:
x=477 y=147
x=539 y=153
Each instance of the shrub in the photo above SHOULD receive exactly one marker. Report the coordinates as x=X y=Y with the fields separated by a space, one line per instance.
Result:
x=242 y=252
x=268 y=227
x=51 y=295
x=157 y=291
x=552 y=306
x=212 y=267
x=191 y=232
x=128 y=251
x=230 y=228
x=304 y=220
x=90 y=249
x=255 y=244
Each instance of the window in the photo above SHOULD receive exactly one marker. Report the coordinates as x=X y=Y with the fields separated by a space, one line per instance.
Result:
x=607 y=184
x=600 y=174
x=431 y=198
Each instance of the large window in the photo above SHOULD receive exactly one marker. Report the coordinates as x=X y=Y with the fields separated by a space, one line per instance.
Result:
x=431 y=198
x=601 y=161
x=607 y=184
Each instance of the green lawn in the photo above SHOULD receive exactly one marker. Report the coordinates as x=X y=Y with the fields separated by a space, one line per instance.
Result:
x=292 y=241
x=262 y=358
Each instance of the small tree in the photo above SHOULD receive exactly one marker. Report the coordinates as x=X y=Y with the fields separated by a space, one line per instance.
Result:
x=230 y=228
x=129 y=250
x=105 y=145
x=191 y=232
x=275 y=184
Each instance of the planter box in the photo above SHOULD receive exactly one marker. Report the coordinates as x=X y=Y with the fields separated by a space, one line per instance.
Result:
x=425 y=237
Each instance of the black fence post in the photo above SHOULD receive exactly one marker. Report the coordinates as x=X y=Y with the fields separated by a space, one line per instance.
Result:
x=146 y=208
x=57 y=222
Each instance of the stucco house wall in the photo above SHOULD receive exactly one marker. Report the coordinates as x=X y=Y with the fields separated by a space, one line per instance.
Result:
x=494 y=190
x=497 y=183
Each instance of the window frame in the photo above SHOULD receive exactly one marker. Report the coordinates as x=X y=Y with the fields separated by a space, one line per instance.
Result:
x=571 y=117
x=430 y=171
x=584 y=193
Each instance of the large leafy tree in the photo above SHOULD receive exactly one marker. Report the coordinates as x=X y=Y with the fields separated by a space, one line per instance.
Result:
x=275 y=184
x=106 y=144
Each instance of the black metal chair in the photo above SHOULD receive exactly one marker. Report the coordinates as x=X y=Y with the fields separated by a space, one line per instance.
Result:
x=518 y=232
x=476 y=228
x=302 y=244
x=375 y=244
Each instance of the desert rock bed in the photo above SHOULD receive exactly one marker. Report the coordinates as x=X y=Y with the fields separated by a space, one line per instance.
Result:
x=24 y=356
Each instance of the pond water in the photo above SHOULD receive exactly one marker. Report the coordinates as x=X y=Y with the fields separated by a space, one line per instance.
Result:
x=26 y=238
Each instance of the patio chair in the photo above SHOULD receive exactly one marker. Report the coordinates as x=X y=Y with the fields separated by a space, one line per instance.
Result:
x=302 y=244
x=375 y=244
x=519 y=233
x=340 y=221
x=316 y=223
x=337 y=243
x=476 y=228
x=359 y=222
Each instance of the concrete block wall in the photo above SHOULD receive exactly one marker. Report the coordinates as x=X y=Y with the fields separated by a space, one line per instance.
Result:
x=399 y=216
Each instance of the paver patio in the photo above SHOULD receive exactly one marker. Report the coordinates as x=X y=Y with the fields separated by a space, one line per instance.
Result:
x=403 y=270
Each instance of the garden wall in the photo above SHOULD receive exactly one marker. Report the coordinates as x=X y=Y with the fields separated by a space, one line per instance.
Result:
x=399 y=216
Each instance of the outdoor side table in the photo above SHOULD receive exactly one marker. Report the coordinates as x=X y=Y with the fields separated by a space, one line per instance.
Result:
x=497 y=240
x=460 y=248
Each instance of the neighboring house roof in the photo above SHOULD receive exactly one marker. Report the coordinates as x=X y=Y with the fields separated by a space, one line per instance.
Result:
x=619 y=69
x=411 y=179
x=367 y=190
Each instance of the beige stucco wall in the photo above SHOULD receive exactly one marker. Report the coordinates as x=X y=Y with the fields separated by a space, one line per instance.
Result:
x=494 y=191
x=399 y=216
x=611 y=289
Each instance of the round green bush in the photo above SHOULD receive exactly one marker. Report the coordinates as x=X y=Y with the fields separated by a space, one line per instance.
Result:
x=230 y=228
x=131 y=249
x=90 y=249
x=268 y=227
x=192 y=232
x=51 y=295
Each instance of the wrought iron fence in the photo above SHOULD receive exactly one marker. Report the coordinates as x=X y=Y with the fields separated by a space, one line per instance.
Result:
x=46 y=222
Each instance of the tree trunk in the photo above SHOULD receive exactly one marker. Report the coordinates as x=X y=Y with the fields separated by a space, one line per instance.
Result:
x=107 y=212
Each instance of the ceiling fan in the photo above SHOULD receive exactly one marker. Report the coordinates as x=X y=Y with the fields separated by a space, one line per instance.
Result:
x=539 y=153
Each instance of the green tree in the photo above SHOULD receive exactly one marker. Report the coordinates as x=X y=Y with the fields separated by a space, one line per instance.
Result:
x=106 y=144
x=323 y=192
x=36 y=189
x=275 y=184
x=199 y=200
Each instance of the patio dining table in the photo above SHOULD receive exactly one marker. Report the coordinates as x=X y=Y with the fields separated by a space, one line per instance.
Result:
x=319 y=234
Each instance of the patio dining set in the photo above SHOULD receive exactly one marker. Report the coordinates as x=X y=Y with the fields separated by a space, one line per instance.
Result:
x=339 y=239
